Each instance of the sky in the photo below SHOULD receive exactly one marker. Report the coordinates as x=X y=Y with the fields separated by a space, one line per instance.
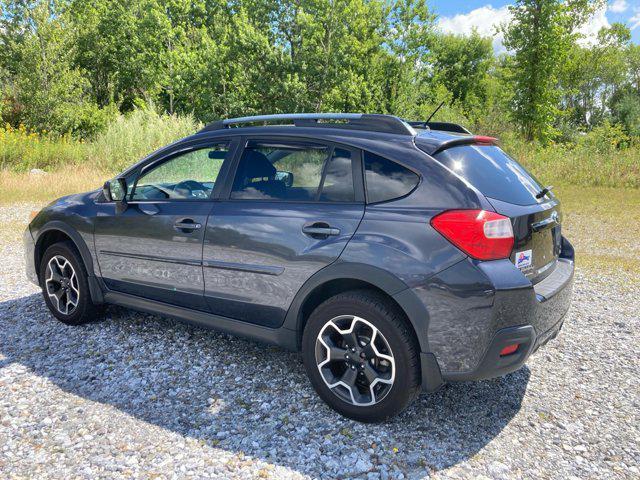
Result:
x=460 y=16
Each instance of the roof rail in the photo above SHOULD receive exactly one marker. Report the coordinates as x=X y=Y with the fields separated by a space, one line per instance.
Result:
x=350 y=121
x=445 y=126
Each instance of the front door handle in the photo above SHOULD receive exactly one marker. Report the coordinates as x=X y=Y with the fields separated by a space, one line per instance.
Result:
x=320 y=230
x=187 y=225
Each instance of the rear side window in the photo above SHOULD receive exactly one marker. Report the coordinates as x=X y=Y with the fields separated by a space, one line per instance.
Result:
x=493 y=172
x=294 y=172
x=387 y=180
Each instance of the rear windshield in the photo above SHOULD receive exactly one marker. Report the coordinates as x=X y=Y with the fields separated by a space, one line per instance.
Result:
x=493 y=172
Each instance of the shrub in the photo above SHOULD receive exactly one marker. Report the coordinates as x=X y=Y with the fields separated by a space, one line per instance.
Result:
x=131 y=137
x=22 y=150
x=603 y=157
x=124 y=141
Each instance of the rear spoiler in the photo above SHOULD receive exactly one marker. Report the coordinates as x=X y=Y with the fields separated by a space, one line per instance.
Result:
x=443 y=126
x=464 y=140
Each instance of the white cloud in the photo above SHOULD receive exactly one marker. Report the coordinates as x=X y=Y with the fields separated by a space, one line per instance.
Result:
x=618 y=6
x=487 y=19
x=591 y=28
x=484 y=19
x=634 y=22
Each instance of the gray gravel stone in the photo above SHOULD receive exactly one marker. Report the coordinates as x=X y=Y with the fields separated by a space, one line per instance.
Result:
x=138 y=396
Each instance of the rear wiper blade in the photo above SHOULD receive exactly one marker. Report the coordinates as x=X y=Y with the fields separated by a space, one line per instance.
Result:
x=544 y=191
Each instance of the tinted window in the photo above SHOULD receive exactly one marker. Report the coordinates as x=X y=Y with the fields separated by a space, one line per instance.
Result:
x=387 y=180
x=493 y=172
x=187 y=176
x=338 y=178
x=293 y=172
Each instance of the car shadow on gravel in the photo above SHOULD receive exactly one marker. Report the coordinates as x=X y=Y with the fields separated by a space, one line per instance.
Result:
x=245 y=397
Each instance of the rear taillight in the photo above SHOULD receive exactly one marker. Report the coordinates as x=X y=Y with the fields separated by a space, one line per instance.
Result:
x=480 y=234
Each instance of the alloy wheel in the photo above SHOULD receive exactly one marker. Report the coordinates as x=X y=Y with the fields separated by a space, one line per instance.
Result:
x=61 y=284
x=355 y=360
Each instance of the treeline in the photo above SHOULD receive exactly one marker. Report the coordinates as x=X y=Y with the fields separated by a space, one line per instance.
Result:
x=72 y=66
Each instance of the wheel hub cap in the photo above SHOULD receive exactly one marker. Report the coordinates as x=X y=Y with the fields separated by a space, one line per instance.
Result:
x=61 y=285
x=355 y=360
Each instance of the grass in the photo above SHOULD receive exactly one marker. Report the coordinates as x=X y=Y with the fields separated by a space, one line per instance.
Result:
x=603 y=224
x=23 y=187
x=589 y=162
x=124 y=141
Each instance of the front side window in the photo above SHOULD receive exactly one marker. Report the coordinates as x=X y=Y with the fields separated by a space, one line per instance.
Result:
x=386 y=180
x=294 y=172
x=187 y=176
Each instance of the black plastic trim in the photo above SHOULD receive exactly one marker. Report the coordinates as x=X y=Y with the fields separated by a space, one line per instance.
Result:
x=430 y=372
x=152 y=258
x=244 y=267
x=277 y=336
x=493 y=365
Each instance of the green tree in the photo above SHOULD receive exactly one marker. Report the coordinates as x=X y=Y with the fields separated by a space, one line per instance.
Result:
x=632 y=59
x=410 y=33
x=461 y=63
x=332 y=64
x=592 y=75
x=122 y=44
x=540 y=34
x=46 y=91
x=625 y=107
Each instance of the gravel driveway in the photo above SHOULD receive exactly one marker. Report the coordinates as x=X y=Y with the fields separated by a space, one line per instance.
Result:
x=138 y=396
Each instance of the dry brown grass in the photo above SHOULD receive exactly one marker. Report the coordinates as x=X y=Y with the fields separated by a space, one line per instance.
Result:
x=23 y=187
x=604 y=226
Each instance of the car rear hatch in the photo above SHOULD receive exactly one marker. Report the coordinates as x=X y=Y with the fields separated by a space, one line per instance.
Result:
x=535 y=213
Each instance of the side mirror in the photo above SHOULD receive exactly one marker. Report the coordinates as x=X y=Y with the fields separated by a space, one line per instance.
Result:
x=116 y=191
x=285 y=177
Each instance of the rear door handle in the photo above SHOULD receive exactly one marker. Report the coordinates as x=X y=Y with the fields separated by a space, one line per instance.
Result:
x=320 y=230
x=187 y=224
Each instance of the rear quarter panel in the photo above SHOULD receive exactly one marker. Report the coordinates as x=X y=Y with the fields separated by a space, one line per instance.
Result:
x=397 y=237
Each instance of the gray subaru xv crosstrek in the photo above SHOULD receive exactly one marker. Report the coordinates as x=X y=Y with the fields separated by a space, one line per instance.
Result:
x=394 y=255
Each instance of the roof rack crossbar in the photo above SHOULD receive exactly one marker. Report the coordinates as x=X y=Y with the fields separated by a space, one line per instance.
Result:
x=352 y=121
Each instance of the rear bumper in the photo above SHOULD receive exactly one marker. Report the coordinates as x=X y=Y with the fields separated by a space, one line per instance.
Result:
x=492 y=306
x=494 y=365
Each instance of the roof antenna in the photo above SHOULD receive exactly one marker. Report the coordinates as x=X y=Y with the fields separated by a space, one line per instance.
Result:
x=434 y=112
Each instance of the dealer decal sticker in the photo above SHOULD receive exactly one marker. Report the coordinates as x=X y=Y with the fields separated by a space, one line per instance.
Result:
x=523 y=259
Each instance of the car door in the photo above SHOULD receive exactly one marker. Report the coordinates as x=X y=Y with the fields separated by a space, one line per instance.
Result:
x=290 y=210
x=154 y=248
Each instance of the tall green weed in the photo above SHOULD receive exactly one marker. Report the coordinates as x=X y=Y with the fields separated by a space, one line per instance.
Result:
x=123 y=142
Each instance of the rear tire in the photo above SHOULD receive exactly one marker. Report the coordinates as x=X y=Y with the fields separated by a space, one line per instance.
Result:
x=376 y=378
x=63 y=279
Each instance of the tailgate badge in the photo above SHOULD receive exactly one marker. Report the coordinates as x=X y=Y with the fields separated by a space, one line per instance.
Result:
x=523 y=259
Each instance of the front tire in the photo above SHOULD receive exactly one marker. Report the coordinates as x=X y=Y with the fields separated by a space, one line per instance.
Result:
x=361 y=356
x=63 y=279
